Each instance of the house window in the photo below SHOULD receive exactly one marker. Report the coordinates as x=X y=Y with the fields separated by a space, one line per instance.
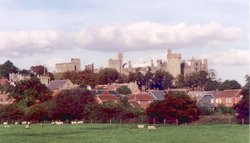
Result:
x=212 y=100
x=228 y=100
x=218 y=100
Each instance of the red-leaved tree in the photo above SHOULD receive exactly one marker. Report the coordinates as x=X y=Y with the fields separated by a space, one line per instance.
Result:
x=175 y=106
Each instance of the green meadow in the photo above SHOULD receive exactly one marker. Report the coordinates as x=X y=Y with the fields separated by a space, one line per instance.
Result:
x=124 y=133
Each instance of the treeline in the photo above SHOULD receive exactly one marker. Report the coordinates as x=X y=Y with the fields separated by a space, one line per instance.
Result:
x=158 y=80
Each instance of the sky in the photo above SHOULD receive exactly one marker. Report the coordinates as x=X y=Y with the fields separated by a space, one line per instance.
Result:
x=45 y=32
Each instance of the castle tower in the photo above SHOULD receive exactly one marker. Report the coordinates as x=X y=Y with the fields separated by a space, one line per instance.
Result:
x=174 y=63
x=120 y=62
x=117 y=63
x=77 y=64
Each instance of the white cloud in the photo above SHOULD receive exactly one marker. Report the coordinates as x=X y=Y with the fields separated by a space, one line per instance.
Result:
x=51 y=62
x=114 y=37
x=148 y=35
x=27 y=43
x=233 y=57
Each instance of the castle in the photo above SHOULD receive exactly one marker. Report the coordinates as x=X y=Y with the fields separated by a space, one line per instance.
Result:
x=74 y=65
x=174 y=65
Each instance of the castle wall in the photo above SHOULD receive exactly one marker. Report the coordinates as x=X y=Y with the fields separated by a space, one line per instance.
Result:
x=195 y=65
x=74 y=65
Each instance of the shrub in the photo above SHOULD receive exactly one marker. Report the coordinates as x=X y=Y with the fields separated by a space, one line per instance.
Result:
x=217 y=118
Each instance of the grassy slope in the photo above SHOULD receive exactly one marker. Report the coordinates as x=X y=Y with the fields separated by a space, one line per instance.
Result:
x=104 y=133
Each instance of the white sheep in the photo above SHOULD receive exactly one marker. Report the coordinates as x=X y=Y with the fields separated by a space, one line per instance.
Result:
x=24 y=123
x=59 y=123
x=151 y=128
x=6 y=124
x=140 y=126
x=80 y=122
x=73 y=122
x=16 y=123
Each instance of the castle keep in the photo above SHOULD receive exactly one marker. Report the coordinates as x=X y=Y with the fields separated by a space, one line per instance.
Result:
x=74 y=65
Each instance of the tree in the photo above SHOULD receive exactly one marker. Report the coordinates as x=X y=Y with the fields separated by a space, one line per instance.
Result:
x=39 y=70
x=229 y=84
x=175 y=106
x=107 y=76
x=139 y=78
x=7 y=68
x=11 y=112
x=242 y=108
x=29 y=92
x=123 y=90
x=123 y=78
x=162 y=80
x=131 y=77
x=148 y=77
x=88 y=77
x=72 y=104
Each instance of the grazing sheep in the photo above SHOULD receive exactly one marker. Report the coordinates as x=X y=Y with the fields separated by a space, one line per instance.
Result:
x=80 y=122
x=53 y=123
x=73 y=122
x=42 y=124
x=6 y=124
x=16 y=123
x=59 y=123
x=24 y=123
x=27 y=126
x=140 y=126
x=151 y=128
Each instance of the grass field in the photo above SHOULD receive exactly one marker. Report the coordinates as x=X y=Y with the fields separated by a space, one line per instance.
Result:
x=105 y=133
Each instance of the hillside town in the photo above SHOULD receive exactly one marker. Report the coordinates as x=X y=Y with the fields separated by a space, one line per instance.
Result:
x=120 y=86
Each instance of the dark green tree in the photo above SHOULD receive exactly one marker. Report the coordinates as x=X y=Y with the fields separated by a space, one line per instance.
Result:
x=242 y=108
x=29 y=92
x=229 y=84
x=162 y=80
x=123 y=90
x=107 y=76
x=7 y=68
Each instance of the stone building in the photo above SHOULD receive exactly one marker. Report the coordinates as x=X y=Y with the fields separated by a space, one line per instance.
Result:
x=16 y=77
x=44 y=79
x=89 y=67
x=116 y=63
x=195 y=65
x=174 y=63
x=74 y=65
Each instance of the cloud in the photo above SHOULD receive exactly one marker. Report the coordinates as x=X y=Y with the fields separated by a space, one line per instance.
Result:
x=16 y=44
x=148 y=35
x=233 y=57
x=51 y=62
x=114 y=37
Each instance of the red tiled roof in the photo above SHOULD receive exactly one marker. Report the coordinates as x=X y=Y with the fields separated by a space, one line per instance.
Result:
x=229 y=93
x=135 y=104
x=141 y=96
x=106 y=87
x=4 y=81
x=106 y=96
